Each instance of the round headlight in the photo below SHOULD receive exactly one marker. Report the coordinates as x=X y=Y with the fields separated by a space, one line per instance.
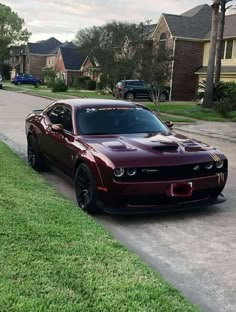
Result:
x=209 y=165
x=131 y=171
x=119 y=172
x=219 y=164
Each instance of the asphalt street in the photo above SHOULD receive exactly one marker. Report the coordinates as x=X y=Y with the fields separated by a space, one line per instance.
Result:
x=195 y=251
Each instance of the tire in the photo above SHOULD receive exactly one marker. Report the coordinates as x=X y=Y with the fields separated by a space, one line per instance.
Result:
x=130 y=96
x=85 y=190
x=34 y=158
x=18 y=83
x=163 y=97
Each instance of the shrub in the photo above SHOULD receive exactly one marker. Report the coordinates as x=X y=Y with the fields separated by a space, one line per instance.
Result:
x=82 y=82
x=219 y=91
x=223 y=107
x=49 y=76
x=91 y=85
x=59 y=86
x=75 y=83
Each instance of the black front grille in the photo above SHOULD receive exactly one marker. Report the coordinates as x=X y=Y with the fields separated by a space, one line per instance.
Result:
x=172 y=173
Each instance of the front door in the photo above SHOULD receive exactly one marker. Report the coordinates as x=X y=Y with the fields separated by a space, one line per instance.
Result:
x=58 y=146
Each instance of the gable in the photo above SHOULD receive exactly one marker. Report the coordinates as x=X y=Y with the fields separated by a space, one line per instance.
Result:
x=194 y=24
x=72 y=58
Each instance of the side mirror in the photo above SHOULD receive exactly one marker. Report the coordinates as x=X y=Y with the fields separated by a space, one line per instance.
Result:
x=57 y=127
x=169 y=124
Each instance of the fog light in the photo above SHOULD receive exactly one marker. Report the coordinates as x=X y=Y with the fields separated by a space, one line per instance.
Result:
x=119 y=172
x=209 y=165
x=131 y=172
x=219 y=164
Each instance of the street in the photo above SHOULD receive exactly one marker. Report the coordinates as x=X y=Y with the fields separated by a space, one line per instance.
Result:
x=195 y=251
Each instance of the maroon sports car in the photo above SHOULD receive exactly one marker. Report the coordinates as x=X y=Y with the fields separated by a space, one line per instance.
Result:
x=123 y=158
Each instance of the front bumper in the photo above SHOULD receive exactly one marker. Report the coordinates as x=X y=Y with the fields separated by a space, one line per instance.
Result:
x=146 y=197
x=155 y=209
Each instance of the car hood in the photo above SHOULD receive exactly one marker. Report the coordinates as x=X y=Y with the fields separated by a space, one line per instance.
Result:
x=152 y=149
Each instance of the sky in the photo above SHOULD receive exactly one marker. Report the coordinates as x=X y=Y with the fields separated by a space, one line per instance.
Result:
x=63 y=18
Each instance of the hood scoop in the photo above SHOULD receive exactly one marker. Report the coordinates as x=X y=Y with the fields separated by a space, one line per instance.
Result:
x=166 y=148
x=191 y=146
x=118 y=146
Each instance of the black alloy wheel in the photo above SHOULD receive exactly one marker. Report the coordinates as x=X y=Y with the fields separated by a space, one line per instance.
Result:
x=34 y=158
x=85 y=190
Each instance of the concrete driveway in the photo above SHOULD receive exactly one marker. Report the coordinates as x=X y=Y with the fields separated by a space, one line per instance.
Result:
x=195 y=251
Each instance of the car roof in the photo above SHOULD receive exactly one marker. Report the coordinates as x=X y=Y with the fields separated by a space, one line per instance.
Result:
x=86 y=103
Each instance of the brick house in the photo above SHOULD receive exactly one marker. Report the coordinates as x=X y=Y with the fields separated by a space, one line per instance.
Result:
x=18 y=58
x=184 y=34
x=34 y=57
x=68 y=64
x=91 y=68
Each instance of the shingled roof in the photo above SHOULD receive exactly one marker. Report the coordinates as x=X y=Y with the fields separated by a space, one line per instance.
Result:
x=44 y=46
x=194 y=24
x=230 y=27
x=72 y=58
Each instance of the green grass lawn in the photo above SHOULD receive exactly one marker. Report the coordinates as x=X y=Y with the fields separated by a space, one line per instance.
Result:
x=44 y=91
x=192 y=110
x=53 y=257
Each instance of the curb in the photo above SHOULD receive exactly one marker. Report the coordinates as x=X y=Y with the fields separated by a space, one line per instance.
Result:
x=13 y=146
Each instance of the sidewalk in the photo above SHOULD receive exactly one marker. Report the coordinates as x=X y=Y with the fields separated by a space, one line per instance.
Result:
x=220 y=130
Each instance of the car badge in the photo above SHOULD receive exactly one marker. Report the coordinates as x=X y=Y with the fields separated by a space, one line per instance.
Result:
x=196 y=168
x=149 y=170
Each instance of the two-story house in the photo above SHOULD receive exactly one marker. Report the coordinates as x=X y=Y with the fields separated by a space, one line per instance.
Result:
x=33 y=58
x=184 y=34
x=228 y=60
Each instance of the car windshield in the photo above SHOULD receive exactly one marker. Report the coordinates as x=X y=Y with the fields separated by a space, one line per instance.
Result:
x=117 y=120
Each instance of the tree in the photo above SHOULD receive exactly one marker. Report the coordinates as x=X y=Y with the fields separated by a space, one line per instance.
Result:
x=113 y=44
x=220 y=45
x=155 y=68
x=11 y=31
x=208 y=96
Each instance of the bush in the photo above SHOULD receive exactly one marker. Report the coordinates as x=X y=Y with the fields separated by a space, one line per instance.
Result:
x=49 y=76
x=82 y=82
x=223 y=107
x=75 y=83
x=224 y=97
x=219 y=91
x=91 y=85
x=59 y=86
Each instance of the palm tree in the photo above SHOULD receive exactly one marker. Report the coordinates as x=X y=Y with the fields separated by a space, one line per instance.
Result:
x=208 y=96
x=220 y=45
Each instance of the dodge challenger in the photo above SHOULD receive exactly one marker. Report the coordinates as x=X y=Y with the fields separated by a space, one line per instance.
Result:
x=123 y=158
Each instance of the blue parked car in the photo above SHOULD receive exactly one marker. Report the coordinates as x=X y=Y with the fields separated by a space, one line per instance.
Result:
x=26 y=79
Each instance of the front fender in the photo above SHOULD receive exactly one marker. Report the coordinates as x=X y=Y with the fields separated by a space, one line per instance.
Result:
x=88 y=158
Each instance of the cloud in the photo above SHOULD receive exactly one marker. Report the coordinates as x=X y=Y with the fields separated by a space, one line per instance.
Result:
x=63 y=18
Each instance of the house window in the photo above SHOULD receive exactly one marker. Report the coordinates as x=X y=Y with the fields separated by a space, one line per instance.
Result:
x=227 y=51
x=234 y=50
x=163 y=41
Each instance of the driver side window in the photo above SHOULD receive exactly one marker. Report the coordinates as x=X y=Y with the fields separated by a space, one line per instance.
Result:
x=61 y=115
x=55 y=115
